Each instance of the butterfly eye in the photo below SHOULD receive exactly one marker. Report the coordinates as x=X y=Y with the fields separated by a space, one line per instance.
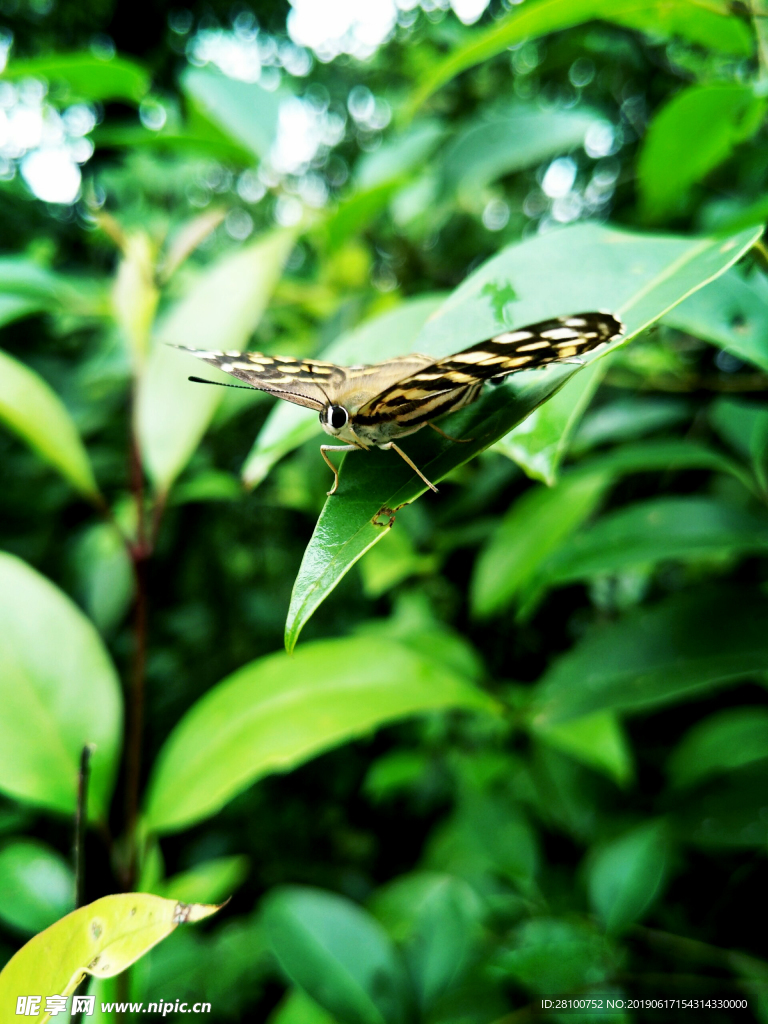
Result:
x=337 y=417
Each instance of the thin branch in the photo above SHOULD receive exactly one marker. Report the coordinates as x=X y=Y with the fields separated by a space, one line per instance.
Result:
x=81 y=827
x=135 y=716
x=139 y=552
x=81 y=822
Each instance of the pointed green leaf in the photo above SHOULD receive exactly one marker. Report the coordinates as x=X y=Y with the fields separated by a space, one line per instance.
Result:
x=626 y=876
x=339 y=955
x=551 y=956
x=653 y=531
x=520 y=137
x=220 y=312
x=596 y=740
x=245 y=111
x=691 y=135
x=435 y=919
x=298 y=1008
x=541 y=441
x=279 y=711
x=212 y=881
x=731 y=312
x=37 y=886
x=30 y=408
x=536 y=525
x=687 y=645
x=86 y=76
x=58 y=690
x=538 y=534
x=706 y=22
x=719 y=743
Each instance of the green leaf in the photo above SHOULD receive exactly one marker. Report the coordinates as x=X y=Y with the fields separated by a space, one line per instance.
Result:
x=212 y=881
x=435 y=919
x=30 y=408
x=540 y=442
x=535 y=526
x=729 y=813
x=515 y=561
x=221 y=310
x=687 y=645
x=244 y=111
x=352 y=215
x=84 y=76
x=59 y=691
x=707 y=22
x=691 y=135
x=666 y=456
x=105 y=581
x=652 y=531
x=723 y=741
x=298 y=1008
x=339 y=955
x=279 y=711
x=488 y=838
x=744 y=425
x=390 y=563
x=135 y=294
x=627 y=419
x=101 y=940
x=204 y=139
x=638 y=277
x=37 y=886
x=553 y=956
x=400 y=155
x=499 y=144
x=27 y=287
x=596 y=740
x=626 y=876
x=391 y=334
x=730 y=312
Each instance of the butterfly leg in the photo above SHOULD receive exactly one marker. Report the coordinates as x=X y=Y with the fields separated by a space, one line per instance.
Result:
x=414 y=467
x=335 y=448
x=458 y=440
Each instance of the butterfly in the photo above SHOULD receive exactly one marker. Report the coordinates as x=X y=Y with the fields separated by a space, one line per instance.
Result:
x=376 y=405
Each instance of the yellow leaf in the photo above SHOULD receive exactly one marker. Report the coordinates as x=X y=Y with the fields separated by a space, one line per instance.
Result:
x=100 y=939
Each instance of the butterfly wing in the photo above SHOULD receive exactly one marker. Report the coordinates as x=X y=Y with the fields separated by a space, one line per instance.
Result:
x=450 y=383
x=313 y=383
x=308 y=382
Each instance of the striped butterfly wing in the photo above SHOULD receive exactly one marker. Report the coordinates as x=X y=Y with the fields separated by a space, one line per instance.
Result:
x=448 y=384
x=308 y=382
x=313 y=383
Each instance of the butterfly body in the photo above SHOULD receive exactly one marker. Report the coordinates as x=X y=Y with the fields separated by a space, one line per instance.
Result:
x=376 y=405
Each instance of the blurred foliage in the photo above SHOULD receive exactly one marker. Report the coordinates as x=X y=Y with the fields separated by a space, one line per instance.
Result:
x=521 y=748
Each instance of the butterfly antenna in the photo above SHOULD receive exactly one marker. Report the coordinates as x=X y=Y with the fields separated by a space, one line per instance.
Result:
x=202 y=380
x=319 y=385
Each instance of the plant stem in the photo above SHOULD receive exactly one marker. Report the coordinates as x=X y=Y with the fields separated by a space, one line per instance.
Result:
x=81 y=823
x=135 y=716
x=139 y=552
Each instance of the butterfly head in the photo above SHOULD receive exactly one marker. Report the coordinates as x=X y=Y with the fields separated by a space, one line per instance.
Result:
x=333 y=419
